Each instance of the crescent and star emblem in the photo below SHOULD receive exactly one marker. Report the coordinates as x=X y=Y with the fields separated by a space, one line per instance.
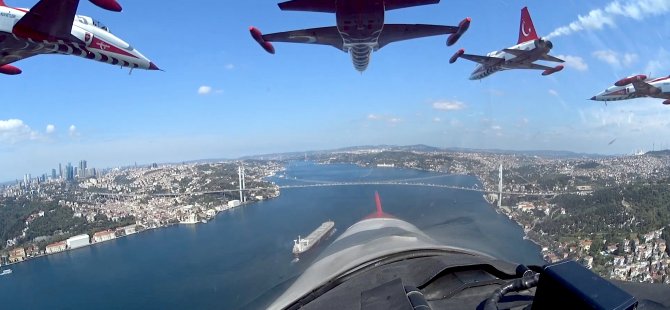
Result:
x=523 y=29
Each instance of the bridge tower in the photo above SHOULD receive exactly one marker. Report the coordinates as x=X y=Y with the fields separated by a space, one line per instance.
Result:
x=240 y=176
x=500 y=186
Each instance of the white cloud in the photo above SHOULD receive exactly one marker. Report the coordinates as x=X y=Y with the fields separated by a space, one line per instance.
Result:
x=615 y=59
x=50 y=129
x=204 y=90
x=496 y=127
x=72 y=131
x=574 y=62
x=14 y=130
x=660 y=64
x=599 y=18
x=553 y=92
x=449 y=105
x=230 y=66
x=437 y=120
x=392 y=120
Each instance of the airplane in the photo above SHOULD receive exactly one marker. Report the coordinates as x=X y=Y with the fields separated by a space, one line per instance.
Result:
x=529 y=48
x=360 y=27
x=637 y=86
x=52 y=27
x=382 y=262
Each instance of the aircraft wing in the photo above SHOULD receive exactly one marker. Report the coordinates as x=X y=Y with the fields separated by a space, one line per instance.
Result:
x=401 y=4
x=519 y=53
x=324 y=36
x=13 y=50
x=399 y=32
x=646 y=88
x=484 y=60
x=325 y=6
x=49 y=19
x=551 y=58
x=531 y=66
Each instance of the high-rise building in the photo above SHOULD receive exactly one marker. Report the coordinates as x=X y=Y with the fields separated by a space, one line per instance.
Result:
x=60 y=170
x=53 y=174
x=82 y=169
x=69 y=172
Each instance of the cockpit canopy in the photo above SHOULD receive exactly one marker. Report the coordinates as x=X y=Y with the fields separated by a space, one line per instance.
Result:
x=90 y=21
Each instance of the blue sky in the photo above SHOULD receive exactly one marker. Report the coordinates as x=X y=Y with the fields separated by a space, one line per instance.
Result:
x=222 y=96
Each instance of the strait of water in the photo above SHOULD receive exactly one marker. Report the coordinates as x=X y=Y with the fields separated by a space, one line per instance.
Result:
x=245 y=254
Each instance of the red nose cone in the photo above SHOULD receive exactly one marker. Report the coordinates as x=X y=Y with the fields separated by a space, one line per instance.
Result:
x=153 y=66
x=110 y=5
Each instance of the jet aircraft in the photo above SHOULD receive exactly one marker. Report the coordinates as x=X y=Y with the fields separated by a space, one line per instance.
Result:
x=360 y=27
x=382 y=262
x=637 y=86
x=529 y=48
x=52 y=27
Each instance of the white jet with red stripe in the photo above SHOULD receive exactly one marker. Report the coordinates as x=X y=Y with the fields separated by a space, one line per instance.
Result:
x=637 y=86
x=529 y=49
x=52 y=27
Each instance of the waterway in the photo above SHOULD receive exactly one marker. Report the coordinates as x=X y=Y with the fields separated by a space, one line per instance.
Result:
x=245 y=253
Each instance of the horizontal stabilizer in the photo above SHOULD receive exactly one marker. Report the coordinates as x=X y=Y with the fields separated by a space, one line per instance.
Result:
x=401 y=4
x=400 y=32
x=324 y=6
x=551 y=58
x=48 y=20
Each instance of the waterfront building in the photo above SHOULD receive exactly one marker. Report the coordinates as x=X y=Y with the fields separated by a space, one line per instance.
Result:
x=130 y=229
x=17 y=255
x=102 y=236
x=78 y=241
x=56 y=247
x=233 y=203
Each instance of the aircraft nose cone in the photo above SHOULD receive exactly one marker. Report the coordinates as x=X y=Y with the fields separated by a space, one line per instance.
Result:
x=593 y=98
x=152 y=66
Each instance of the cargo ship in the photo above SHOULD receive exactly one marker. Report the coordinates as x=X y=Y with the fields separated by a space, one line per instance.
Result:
x=301 y=245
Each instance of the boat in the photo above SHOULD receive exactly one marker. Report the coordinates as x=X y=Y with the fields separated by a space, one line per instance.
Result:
x=301 y=245
x=6 y=272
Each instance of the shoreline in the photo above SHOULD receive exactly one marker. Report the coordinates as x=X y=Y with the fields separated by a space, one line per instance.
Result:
x=29 y=258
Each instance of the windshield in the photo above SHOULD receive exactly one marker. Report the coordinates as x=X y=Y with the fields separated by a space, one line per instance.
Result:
x=90 y=21
x=213 y=184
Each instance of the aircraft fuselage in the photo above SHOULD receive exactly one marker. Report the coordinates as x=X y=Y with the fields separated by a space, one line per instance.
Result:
x=616 y=93
x=534 y=51
x=89 y=39
x=360 y=23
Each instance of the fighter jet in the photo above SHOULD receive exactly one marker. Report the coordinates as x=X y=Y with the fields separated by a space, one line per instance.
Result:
x=382 y=262
x=360 y=27
x=529 y=48
x=52 y=27
x=637 y=86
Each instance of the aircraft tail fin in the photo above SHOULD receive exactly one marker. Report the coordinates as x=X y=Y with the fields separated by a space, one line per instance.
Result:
x=2 y=3
x=380 y=212
x=378 y=202
x=526 y=28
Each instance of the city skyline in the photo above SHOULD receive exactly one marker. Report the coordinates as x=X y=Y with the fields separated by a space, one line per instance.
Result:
x=223 y=97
